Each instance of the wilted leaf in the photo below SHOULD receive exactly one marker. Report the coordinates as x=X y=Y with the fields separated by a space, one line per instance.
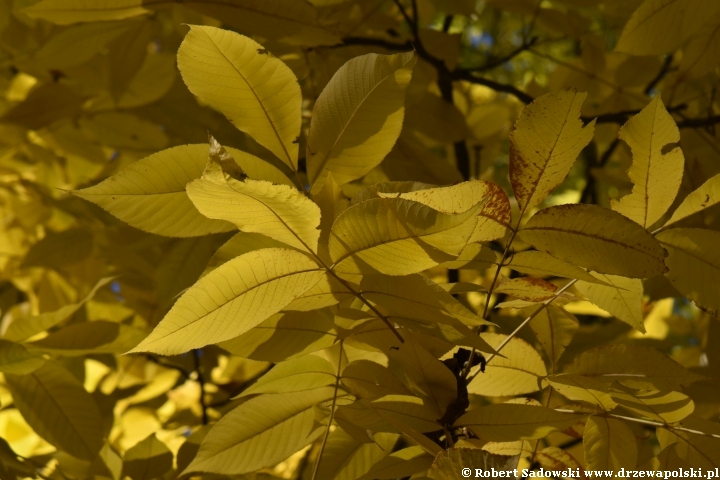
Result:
x=545 y=142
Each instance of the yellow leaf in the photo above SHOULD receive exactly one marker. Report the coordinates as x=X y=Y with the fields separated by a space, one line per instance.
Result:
x=327 y=292
x=656 y=405
x=555 y=458
x=370 y=380
x=694 y=264
x=656 y=176
x=278 y=211
x=150 y=194
x=516 y=374
x=332 y=203
x=65 y=12
x=226 y=302
x=345 y=458
x=290 y=21
x=533 y=262
x=621 y=297
x=647 y=31
x=407 y=461
x=397 y=237
x=707 y=195
x=148 y=459
x=636 y=367
x=596 y=238
x=405 y=411
x=451 y=464
x=545 y=142
x=86 y=338
x=434 y=118
x=585 y=389
x=44 y=105
x=554 y=329
x=506 y=422
x=238 y=442
x=358 y=117
x=609 y=445
x=304 y=373
x=473 y=257
x=284 y=336
x=701 y=54
x=16 y=360
x=55 y=404
x=24 y=328
x=528 y=289
x=257 y=92
x=699 y=451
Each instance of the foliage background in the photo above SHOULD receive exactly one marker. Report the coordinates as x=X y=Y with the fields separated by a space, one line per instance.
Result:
x=89 y=87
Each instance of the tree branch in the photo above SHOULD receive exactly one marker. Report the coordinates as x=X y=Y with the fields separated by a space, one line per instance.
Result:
x=504 y=59
x=201 y=382
x=661 y=74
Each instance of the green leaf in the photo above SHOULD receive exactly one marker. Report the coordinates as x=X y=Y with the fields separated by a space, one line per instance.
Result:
x=304 y=373
x=694 y=264
x=397 y=237
x=148 y=459
x=278 y=211
x=150 y=194
x=656 y=176
x=609 y=444
x=634 y=366
x=226 y=303
x=505 y=422
x=517 y=373
x=622 y=297
x=358 y=117
x=238 y=443
x=284 y=336
x=348 y=459
x=65 y=12
x=256 y=91
x=596 y=238
x=545 y=142
x=16 y=360
x=58 y=408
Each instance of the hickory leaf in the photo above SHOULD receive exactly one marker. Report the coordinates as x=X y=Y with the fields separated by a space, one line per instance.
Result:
x=256 y=91
x=609 y=444
x=545 y=142
x=397 y=237
x=358 y=117
x=656 y=175
x=694 y=264
x=235 y=444
x=706 y=196
x=621 y=297
x=277 y=211
x=227 y=302
x=596 y=238
x=64 y=12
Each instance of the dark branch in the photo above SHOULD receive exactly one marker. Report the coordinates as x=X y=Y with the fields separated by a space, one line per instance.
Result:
x=375 y=42
x=624 y=115
x=497 y=86
x=661 y=74
x=493 y=63
x=699 y=122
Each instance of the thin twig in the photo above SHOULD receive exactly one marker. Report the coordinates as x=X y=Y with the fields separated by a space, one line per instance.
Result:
x=525 y=322
x=332 y=413
x=646 y=422
x=661 y=74
x=504 y=59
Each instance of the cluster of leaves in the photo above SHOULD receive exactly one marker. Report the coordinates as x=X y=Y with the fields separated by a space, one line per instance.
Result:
x=347 y=294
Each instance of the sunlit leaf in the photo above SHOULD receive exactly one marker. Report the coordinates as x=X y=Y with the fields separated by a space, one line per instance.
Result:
x=656 y=174
x=358 y=116
x=609 y=444
x=256 y=91
x=596 y=238
x=224 y=303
